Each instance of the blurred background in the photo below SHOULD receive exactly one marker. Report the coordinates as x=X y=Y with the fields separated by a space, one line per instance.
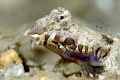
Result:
x=99 y=15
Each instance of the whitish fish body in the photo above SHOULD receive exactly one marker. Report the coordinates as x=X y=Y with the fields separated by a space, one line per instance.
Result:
x=74 y=42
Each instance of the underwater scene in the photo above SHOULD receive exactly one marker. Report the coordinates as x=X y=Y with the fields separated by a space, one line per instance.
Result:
x=59 y=40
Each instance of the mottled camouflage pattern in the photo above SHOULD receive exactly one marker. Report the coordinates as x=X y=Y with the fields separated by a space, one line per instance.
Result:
x=94 y=51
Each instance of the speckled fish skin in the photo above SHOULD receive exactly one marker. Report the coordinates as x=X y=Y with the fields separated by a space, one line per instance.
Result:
x=75 y=42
